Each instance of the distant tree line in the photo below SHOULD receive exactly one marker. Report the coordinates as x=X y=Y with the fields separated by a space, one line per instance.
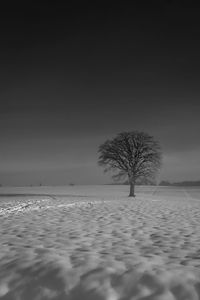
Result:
x=180 y=183
x=162 y=183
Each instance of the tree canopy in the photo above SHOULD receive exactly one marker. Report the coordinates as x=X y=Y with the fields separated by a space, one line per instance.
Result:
x=134 y=155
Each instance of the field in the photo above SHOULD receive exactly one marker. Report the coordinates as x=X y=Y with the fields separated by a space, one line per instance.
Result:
x=93 y=242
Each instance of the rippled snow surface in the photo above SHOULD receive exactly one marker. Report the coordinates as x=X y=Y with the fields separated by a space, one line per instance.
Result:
x=95 y=243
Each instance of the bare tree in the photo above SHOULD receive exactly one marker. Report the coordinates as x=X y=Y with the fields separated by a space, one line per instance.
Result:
x=134 y=155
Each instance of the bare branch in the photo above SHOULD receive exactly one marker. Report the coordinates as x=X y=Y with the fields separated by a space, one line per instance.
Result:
x=135 y=154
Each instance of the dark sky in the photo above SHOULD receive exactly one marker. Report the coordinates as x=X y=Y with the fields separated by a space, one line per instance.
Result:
x=73 y=76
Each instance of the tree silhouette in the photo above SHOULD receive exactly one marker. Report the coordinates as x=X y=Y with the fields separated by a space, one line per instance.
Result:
x=134 y=155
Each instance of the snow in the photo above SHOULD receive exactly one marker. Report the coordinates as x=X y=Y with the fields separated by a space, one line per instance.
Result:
x=93 y=242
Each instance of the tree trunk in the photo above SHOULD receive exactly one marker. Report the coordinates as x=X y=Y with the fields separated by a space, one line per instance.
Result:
x=132 y=189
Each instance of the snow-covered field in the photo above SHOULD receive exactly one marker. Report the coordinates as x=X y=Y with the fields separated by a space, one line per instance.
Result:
x=93 y=242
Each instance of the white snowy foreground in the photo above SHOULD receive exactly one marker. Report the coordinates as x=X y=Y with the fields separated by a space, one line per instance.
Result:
x=79 y=243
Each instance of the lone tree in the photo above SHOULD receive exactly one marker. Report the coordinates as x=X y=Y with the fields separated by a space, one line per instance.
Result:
x=134 y=155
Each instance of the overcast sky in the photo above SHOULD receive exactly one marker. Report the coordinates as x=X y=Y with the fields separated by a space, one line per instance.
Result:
x=71 y=77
